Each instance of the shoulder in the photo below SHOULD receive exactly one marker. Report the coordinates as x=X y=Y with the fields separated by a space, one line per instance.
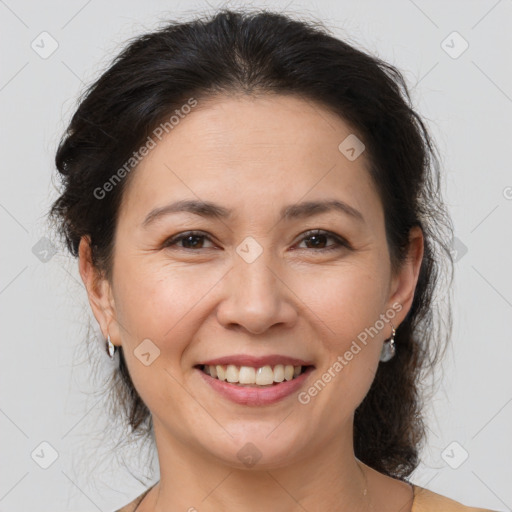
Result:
x=429 y=501
x=130 y=507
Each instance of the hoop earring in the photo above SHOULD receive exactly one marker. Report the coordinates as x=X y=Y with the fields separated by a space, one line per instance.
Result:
x=388 y=349
x=111 y=348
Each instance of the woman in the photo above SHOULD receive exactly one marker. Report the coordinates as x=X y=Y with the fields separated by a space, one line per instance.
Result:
x=256 y=211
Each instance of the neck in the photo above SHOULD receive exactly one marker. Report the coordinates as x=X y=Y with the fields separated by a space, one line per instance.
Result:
x=327 y=479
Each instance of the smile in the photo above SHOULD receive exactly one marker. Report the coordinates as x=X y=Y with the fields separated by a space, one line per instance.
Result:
x=251 y=393
x=248 y=376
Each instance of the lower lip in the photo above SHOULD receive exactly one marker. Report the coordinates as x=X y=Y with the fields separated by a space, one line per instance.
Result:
x=256 y=396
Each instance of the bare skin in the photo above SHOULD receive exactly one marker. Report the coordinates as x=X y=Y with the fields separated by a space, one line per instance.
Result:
x=198 y=300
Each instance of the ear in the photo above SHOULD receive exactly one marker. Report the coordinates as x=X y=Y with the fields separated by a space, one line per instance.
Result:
x=99 y=292
x=403 y=284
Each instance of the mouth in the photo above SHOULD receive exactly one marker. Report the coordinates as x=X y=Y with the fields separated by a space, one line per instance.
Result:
x=251 y=386
x=262 y=377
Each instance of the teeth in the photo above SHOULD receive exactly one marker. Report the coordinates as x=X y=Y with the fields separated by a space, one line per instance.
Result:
x=264 y=376
x=247 y=375
x=288 y=372
x=221 y=372
x=232 y=373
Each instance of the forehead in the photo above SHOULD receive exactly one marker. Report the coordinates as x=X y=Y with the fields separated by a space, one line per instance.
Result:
x=245 y=150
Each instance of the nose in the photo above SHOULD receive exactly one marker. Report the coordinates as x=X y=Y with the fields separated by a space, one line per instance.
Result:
x=256 y=298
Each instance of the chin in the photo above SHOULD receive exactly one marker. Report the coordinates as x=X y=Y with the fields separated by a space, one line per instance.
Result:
x=255 y=449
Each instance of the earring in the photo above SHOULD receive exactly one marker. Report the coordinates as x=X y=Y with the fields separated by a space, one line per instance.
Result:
x=111 y=349
x=388 y=349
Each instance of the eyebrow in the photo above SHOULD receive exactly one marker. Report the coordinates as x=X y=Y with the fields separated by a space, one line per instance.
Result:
x=294 y=211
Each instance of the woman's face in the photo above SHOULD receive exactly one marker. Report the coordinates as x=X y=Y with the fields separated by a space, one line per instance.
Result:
x=254 y=282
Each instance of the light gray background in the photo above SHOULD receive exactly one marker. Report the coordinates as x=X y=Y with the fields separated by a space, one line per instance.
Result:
x=46 y=388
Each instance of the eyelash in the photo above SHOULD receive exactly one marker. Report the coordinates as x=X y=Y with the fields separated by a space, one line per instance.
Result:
x=339 y=241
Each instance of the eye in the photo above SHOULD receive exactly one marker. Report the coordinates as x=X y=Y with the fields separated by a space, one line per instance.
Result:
x=190 y=239
x=317 y=239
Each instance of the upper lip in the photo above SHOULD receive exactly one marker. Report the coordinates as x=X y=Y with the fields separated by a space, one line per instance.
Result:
x=256 y=362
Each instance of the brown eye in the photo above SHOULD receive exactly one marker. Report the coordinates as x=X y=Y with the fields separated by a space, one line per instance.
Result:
x=318 y=239
x=190 y=240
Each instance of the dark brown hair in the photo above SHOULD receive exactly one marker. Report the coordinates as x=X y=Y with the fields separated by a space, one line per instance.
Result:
x=262 y=52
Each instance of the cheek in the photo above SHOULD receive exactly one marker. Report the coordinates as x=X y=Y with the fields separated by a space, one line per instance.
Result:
x=159 y=304
x=154 y=301
x=347 y=299
x=346 y=307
